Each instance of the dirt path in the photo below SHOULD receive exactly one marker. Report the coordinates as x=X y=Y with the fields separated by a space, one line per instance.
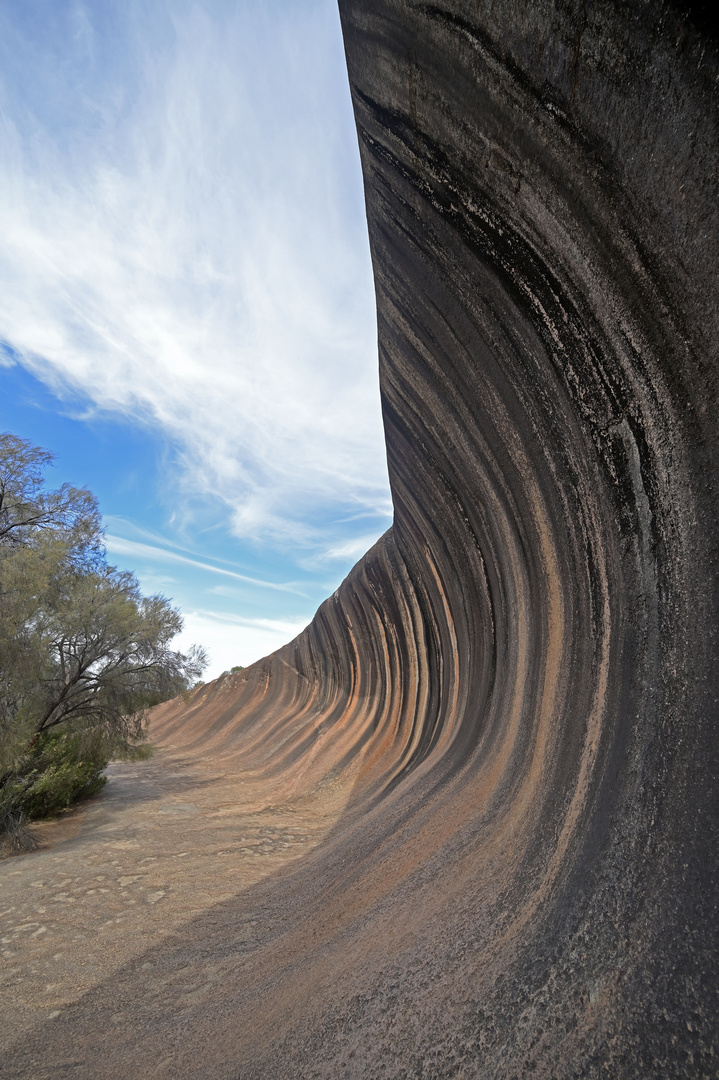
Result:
x=166 y=840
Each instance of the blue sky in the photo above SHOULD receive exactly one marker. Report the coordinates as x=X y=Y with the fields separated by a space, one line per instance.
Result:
x=186 y=303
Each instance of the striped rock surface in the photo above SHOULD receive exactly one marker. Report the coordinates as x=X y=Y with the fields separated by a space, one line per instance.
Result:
x=522 y=671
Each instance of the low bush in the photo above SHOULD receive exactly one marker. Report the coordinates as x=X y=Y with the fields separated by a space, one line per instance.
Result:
x=60 y=769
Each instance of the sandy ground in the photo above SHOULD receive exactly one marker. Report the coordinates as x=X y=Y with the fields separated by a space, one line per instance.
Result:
x=164 y=841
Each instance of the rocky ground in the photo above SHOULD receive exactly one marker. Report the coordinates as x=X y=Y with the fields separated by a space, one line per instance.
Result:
x=166 y=840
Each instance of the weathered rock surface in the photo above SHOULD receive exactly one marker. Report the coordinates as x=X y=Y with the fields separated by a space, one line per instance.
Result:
x=520 y=678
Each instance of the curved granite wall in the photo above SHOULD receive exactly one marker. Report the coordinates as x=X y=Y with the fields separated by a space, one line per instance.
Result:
x=541 y=187
x=522 y=672
x=520 y=677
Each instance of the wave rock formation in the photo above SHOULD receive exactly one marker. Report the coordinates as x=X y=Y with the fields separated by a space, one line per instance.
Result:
x=519 y=680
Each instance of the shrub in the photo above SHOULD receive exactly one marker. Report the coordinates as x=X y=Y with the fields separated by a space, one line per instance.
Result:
x=60 y=769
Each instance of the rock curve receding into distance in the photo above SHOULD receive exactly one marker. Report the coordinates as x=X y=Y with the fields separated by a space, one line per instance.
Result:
x=519 y=681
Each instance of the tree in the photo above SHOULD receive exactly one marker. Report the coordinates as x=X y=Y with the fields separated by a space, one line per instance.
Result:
x=27 y=511
x=83 y=654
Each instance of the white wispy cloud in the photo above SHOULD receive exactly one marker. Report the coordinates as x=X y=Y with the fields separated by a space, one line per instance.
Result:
x=118 y=545
x=230 y=640
x=351 y=549
x=183 y=243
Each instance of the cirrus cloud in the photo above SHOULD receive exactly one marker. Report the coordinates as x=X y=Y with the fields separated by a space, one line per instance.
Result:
x=184 y=244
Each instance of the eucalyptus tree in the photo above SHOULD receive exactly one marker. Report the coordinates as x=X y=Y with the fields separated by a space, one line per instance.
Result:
x=82 y=651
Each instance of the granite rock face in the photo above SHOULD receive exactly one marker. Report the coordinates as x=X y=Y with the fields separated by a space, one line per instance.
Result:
x=520 y=678
x=542 y=196
x=524 y=668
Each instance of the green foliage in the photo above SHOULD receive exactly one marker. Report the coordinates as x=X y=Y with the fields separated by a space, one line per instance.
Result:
x=86 y=646
x=83 y=654
x=61 y=768
x=28 y=511
x=237 y=667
